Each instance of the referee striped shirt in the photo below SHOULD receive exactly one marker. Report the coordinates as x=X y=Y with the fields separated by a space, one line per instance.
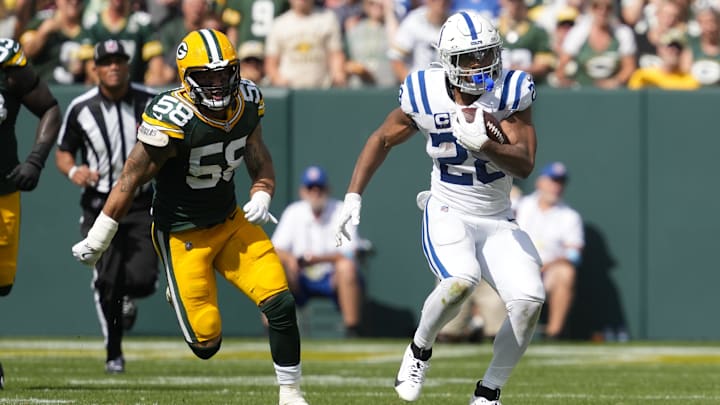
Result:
x=104 y=130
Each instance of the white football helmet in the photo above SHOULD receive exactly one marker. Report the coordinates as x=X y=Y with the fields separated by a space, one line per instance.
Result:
x=470 y=52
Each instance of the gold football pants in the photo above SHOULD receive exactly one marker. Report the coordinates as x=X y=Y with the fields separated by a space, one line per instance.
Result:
x=238 y=250
x=9 y=237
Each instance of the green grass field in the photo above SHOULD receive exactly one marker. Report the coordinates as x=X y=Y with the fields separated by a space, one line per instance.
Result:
x=163 y=371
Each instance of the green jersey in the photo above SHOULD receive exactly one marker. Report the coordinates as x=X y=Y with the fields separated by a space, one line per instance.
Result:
x=59 y=60
x=195 y=188
x=252 y=18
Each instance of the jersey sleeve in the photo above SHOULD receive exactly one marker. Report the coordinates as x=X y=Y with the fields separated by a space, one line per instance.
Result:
x=517 y=92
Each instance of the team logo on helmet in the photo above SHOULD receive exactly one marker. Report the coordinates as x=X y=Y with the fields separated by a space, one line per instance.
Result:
x=182 y=50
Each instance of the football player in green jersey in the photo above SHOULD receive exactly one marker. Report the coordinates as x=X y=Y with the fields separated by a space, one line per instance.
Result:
x=191 y=140
x=20 y=85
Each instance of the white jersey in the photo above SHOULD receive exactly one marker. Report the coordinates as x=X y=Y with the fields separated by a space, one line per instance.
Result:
x=470 y=183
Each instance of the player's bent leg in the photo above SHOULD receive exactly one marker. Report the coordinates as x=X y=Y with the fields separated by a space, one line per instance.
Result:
x=282 y=330
x=284 y=339
x=206 y=349
x=512 y=340
x=441 y=306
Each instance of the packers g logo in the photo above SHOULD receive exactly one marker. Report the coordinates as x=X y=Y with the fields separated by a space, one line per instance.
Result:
x=182 y=50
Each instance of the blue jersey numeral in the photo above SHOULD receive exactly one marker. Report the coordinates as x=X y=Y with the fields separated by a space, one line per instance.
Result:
x=461 y=155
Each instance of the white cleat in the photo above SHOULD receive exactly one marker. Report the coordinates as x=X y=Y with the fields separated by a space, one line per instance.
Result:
x=411 y=376
x=482 y=401
x=291 y=395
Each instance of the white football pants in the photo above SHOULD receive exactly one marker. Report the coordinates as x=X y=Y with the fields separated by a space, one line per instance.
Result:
x=472 y=248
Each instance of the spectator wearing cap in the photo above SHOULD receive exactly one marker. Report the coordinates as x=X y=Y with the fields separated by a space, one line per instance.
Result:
x=669 y=75
x=252 y=61
x=556 y=229
x=100 y=125
x=315 y=266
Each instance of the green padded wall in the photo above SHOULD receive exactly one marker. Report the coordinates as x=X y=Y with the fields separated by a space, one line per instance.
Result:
x=639 y=161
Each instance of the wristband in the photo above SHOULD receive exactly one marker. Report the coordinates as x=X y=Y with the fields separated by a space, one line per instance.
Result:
x=72 y=172
x=102 y=232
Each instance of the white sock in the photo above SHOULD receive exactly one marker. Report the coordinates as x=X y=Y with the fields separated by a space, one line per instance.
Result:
x=288 y=375
x=442 y=305
x=511 y=341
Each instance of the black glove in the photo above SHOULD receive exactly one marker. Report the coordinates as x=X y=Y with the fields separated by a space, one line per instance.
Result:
x=26 y=174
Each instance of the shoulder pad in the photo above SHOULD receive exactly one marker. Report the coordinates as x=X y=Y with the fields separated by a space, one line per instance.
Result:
x=169 y=114
x=11 y=53
x=517 y=92
x=413 y=97
x=252 y=94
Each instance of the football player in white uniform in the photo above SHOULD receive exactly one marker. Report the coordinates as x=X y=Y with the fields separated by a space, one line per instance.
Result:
x=468 y=230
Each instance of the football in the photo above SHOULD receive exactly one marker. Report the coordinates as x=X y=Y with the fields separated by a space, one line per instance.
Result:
x=494 y=130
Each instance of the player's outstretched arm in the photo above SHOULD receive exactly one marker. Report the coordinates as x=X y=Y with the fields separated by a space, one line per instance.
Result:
x=141 y=166
x=262 y=173
x=396 y=129
x=516 y=158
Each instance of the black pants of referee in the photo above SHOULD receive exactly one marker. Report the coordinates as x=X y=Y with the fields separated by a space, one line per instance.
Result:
x=128 y=267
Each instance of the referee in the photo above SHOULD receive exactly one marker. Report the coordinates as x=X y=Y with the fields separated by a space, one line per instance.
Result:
x=101 y=124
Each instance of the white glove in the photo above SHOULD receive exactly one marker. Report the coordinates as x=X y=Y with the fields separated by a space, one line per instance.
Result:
x=89 y=250
x=470 y=135
x=350 y=211
x=257 y=209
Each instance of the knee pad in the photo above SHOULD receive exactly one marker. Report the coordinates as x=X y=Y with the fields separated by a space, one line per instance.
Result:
x=456 y=290
x=524 y=315
x=205 y=352
x=5 y=290
x=280 y=311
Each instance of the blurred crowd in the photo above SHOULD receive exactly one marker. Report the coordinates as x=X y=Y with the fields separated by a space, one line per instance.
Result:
x=671 y=44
